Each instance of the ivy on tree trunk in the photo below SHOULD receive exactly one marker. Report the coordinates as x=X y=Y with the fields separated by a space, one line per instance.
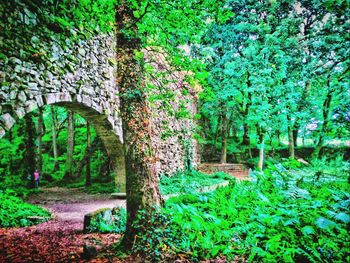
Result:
x=141 y=177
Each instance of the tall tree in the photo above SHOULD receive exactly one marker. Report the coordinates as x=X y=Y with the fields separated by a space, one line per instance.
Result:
x=141 y=178
x=164 y=26
x=70 y=146
x=87 y=167
x=29 y=154
x=40 y=133
x=54 y=137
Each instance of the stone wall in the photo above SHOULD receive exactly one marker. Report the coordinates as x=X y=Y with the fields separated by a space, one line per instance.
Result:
x=82 y=73
x=81 y=76
x=172 y=118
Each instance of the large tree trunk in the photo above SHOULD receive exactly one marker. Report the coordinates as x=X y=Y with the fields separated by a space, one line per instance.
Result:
x=70 y=146
x=223 y=158
x=54 y=138
x=142 y=187
x=40 y=141
x=88 y=171
x=261 y=151
x=29 y=154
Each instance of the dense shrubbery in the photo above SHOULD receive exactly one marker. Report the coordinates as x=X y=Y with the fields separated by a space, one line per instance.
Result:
x=282 y=215
x=14 y=212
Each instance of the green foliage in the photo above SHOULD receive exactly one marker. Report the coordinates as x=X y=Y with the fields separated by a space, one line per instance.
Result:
x=189 y=181
x=16 y=213
x=280 y=216
x=268 y=72
x=102 y=188
x=115 y=224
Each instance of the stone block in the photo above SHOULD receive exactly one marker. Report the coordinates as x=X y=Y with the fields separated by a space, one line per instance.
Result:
x=7 y=120
x=20 y=112
x=30 y=105
x=39 y=101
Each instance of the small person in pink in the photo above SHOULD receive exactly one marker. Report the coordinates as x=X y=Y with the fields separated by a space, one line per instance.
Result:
x=36 y=178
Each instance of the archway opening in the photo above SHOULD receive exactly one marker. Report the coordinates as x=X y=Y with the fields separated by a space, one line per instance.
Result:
x=64 y=141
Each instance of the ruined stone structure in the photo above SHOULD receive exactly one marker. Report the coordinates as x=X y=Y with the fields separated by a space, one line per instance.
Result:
x=81 y=77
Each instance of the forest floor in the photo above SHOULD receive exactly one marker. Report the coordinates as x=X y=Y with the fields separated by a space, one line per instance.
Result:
x=60 y=239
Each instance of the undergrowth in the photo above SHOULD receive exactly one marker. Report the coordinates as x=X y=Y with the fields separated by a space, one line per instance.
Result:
x=16 y=213
x=190 y=181
x=286 y=214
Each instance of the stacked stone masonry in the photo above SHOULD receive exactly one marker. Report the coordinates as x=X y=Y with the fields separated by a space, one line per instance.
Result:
x=81 y=77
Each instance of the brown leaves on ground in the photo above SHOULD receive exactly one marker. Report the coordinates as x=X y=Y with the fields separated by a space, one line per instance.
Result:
x=53 y=241
x=61 y=239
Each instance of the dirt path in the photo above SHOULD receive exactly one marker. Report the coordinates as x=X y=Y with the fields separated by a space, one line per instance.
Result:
x=60 y=239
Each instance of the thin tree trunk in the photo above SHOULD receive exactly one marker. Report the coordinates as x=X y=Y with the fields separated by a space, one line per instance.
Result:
x=295 y=134
x=88 y=172
x=54 y=138
x=29 y=154
x=40 y=141
x=70 y=146
x=88 y=153
x=245 y=139
x=223 y=158
x=291 y=142
x=142 y=186
x=11 y=165
x=325 y=113
x=216 y=136
x=261 y=150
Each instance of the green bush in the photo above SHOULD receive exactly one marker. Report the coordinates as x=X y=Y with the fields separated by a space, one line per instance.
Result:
x=14 y=212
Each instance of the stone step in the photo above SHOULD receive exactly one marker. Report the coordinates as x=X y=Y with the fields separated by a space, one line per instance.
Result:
x=239 y=171
x=215 y=167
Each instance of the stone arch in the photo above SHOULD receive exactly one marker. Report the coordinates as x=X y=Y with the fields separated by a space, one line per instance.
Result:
x=107 y=126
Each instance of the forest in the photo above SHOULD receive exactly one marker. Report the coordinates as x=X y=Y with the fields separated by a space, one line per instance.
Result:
x=174 y=131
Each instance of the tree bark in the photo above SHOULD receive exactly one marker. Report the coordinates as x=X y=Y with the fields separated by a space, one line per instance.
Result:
x=141 y=177
x=40 y=141
x=223 y=158
x=87 y=168
x=54 y=138
x=70 y=146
